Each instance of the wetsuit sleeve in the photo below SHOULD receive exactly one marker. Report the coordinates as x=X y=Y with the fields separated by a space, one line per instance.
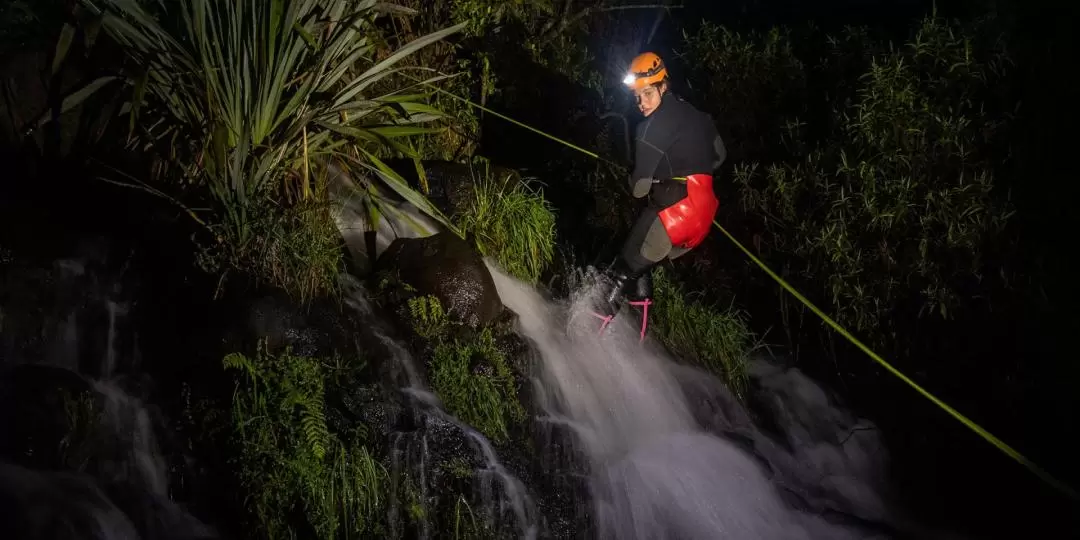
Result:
x=650 y=149
x=652 y=141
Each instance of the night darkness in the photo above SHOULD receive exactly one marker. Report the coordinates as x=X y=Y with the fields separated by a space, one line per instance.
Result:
x=195 y=294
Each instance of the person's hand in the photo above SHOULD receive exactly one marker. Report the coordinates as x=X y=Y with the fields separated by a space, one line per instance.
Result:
x=640 y=187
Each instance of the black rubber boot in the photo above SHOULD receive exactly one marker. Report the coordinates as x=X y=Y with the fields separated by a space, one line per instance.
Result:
x=640 y=297
x=643 y=288
x=619 y=277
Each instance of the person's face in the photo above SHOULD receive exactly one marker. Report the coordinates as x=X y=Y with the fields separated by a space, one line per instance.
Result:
x=648 y=98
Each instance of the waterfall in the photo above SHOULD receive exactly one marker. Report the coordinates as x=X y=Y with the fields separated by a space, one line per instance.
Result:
x=657 y=471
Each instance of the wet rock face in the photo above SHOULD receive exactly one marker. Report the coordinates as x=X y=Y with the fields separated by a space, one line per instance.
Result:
x=448 y=268
x=37 y=407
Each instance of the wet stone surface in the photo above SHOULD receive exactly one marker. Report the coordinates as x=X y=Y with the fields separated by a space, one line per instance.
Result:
x=448 y=268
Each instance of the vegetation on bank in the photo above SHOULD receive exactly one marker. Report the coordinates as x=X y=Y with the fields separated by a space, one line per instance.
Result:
x=511 y=223
x=246 y=107
x=718 y=340
x=292 y=466
x=867 y=171
x=468 y=372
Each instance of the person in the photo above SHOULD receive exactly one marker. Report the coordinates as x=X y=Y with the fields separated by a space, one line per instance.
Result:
x=677 y=149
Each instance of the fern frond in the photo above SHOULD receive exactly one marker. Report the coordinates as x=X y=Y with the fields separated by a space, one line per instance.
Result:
x=242 y=363
x=313 y=422
x=429 y=319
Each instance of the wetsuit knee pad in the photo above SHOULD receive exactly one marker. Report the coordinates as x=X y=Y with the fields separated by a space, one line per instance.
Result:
x=647 y=244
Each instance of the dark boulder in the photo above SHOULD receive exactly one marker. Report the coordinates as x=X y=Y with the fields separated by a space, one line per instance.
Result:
x=450 y=269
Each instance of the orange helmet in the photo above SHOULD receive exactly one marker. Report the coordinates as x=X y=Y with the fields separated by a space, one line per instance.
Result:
x=646 y=69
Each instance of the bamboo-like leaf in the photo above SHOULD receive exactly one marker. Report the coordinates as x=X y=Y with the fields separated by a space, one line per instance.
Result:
x=63 y=45
x=401 y=187
x=412 y=47
x=137 y=100
x=77 y=98
x=421 y=174
x=402 y=131
x=396 y=9
x=382 y=68
x=307 y=169
x=374 y=216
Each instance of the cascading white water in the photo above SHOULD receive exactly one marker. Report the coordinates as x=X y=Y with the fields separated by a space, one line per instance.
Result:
x=127 y=496
x=500 y=491
x=656 y=473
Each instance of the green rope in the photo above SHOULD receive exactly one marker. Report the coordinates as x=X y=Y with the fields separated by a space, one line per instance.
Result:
x=519 y=124
x=1001 y=445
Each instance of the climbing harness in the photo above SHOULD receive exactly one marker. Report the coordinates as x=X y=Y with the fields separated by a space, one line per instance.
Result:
x=971 y=424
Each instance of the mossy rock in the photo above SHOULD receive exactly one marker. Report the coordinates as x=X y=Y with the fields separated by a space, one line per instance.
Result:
x=450 y=269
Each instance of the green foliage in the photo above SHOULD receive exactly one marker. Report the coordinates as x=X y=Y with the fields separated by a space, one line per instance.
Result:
x=289 y=462
x=718 y=340
x=474 y=381
x=250 y=102
x=887 y=199
x=296 y=249
x=468 y=372
x=466 y=524
x=459 y=468
x=428 y=318
x=510 y=222
x=550 y=34
x=757 y=75
x=80 y=443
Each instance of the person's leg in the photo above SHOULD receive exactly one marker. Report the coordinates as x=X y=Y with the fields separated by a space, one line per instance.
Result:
x=646 y=245
x=677 y=252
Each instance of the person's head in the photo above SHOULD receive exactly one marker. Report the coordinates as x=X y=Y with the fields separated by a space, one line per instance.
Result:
x=648 y=80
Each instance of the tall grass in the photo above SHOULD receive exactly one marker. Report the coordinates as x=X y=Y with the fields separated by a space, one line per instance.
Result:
x=716 y=339
x=248 y=102
x=510 y=222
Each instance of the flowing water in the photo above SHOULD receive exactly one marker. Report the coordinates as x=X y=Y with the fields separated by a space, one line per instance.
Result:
x=504 y=499
x=124 y=494
x=670 y=453
x=658 y=470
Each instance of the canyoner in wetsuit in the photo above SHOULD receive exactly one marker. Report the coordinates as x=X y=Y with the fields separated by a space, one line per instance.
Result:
x=677 y=149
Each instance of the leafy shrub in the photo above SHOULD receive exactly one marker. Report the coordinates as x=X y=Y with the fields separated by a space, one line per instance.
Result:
x=428 y=318
x=887 y=201
x=474 y=382
x=469 y=373
x=249 y=104
x=288 y=461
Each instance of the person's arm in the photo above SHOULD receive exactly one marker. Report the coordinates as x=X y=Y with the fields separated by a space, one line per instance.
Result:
x=650 y=151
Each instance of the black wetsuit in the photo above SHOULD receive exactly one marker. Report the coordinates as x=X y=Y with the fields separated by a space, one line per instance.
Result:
x=676 y=140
